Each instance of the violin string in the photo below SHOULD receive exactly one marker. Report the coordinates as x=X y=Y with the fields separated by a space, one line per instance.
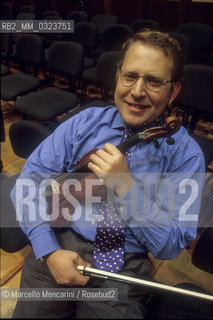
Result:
x=125 y=145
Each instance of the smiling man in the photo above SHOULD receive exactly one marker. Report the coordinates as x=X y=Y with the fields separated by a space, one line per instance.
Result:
x=144 y=213
x=147 y=80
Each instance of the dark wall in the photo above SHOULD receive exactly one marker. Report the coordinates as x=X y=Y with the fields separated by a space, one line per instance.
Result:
x=168 y=13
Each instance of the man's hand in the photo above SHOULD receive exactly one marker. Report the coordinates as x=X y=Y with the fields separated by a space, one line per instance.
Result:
x=62 y=265
x=110 y=164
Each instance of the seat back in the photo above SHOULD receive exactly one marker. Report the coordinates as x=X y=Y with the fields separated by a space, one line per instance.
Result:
x=53 y=13
x=6 y=11
x=205 y=217
x=29 y=49
x=196 y=95
x=201 y=37
x=167 y=305
x=115 y=35
x=50 y=37
x=202 y=257
x=2 y=137
x=210 y=58
x=26 y=135
x=6 y=46
x=66 y=57
x=86 y=34
x=77 y=16
x=22 y=16
x=25 y=16
x=145 y=23
x=206 y=146
x=106 y=69
x=27 y=8
x=12 y=236
x=102 y=21
x=4 y=70
x=185 y=43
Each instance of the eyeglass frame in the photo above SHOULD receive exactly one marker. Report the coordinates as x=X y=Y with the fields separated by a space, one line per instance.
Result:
x=164 y=82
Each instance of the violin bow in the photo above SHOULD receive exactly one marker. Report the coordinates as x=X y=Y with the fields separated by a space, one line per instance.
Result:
x=126 y=279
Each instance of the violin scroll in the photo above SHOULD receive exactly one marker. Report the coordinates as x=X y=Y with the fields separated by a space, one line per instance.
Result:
x=173 y=124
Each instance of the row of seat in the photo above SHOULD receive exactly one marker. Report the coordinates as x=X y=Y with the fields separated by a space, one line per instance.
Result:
x=44 y=104
x=85 y=33
x=100 y=20
x=33 y=133
x=67 y=58
x=101 y=71
x=200 y=35
x=28 y=12
x=197 y=40
x=194 y=101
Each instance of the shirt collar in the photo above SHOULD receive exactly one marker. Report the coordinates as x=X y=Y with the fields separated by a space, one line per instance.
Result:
x=119 y=123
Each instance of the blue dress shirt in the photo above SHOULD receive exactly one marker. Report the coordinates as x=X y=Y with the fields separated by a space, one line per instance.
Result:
x=161 y=210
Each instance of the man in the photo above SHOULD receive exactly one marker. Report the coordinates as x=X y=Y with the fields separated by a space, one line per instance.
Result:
x=147 y=81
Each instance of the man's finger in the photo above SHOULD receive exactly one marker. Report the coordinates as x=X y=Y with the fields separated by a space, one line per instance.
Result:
x=111 y=149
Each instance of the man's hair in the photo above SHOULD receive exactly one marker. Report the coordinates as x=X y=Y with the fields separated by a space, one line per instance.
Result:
x=160 y=40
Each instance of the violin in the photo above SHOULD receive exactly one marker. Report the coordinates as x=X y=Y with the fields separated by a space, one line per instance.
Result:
x=56 y=192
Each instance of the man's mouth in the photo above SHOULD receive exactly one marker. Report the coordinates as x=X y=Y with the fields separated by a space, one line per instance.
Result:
x=136 y=106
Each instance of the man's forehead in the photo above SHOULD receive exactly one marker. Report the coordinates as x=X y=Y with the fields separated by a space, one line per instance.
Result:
x=154 y=54
x=142 y=46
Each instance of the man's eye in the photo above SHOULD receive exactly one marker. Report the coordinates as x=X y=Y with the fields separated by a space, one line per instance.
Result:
x=154 y=82
x=130 y=77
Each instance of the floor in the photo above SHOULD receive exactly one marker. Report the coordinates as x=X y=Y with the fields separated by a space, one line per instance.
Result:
x=170 y=272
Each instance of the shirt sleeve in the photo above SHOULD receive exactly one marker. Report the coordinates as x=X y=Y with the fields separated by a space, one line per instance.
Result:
x=60 y=152
x=50 y=158
x=162 y=209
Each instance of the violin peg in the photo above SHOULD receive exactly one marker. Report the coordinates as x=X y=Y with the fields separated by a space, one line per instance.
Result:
x=170 y=140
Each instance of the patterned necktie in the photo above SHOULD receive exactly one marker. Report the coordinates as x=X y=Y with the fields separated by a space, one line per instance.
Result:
x=110 y=233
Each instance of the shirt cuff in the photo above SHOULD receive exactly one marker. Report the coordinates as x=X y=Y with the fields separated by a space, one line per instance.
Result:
x=45 y=243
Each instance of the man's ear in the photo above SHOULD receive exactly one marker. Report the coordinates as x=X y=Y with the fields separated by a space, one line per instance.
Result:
x=116 y=77
x=175 y=91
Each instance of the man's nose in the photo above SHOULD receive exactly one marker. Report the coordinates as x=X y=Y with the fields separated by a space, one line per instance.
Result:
x=138 y=89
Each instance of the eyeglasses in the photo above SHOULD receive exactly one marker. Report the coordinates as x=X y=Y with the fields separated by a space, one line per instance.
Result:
x=151 y=83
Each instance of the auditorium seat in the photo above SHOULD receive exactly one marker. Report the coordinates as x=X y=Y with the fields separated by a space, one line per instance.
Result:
x=65 y=58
